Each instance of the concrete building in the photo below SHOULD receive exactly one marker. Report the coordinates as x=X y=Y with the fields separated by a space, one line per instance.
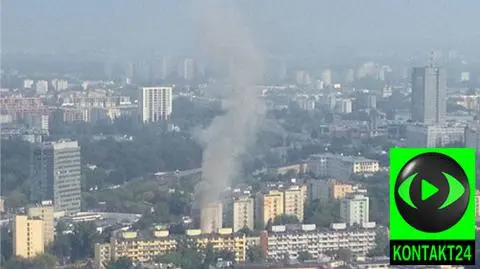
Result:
x=330 y=189
x=269 y=206
x=341 y=167
x=28 y=240
x=45 y=212
x=145 y=247
x=431 y=136
x=187 y=69
x=294 y=201
x=429 y=95
x=290 y=240
x=211 y=218
x=343 y=106
x=57 y=171
x=243 y=213
x=41 y=87
x=59 y=84
x=155 y=103
x=472 y=136
x=354 y=209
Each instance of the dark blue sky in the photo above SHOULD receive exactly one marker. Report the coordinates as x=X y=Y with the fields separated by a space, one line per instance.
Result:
x=286 y=26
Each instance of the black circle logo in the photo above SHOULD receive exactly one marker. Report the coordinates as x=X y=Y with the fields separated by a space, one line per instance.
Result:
x=432 y=192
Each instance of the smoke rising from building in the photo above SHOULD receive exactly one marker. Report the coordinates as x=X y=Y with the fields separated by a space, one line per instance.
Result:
x=228 y=43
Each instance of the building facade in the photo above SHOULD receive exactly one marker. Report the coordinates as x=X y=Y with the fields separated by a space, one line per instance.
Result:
x=45 y=212
x=57 y=174
x=295 y=198
x=354 y=209
x=243 y=213
x=155 y=103
x=28 y=240
x=269 y=206
x=341 y=167
x=429 y=95
x=288 y=241
x=431 y=136
x=145 y=247
x=211 y=218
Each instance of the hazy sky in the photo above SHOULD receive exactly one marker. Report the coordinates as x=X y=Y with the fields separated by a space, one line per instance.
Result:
x=285 y=26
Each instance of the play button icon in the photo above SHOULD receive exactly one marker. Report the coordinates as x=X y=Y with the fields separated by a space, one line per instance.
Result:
x=428 y=190
x=431 y=192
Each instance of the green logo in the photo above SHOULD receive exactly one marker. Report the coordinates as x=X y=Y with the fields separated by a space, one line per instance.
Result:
x=432 y=206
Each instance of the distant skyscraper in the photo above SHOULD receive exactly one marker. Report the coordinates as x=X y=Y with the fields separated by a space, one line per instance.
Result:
x=41 y=87
x=187 y=69
x=429 y=95
x=155 y=103
x=57 y=171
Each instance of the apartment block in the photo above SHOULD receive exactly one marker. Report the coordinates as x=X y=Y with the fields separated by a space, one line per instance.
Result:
x=329 y=189
x=155 y=103
x=434 y=135
x=44 y=211
x=211 y=218
x=354 y=209
x=290 y=240
x=477 y=203
x=295 y=198
x=269 y=205
x=145 y=247
x=341 y=167
x=28 y=240
x=243 y=213
x=57 y=171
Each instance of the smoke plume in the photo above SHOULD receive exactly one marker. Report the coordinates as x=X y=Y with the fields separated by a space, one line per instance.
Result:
x=228 y=43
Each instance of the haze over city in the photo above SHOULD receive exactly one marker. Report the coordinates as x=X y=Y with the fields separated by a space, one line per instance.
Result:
x=198 y=134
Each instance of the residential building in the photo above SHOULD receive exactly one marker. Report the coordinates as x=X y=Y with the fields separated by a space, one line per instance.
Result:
x=343 y=106
x=294 y=201
x=243 y=213
x=155 y=103
x=45 y=212
x=211 y=218
x=290 y=240
x=354 y=209
x=341 y=167
x=57 y=175
x=145 y=247
x=28 y=240
x=41 y=87
x=269 y=206
x=429 y=95
x=472 y=136
x=431 y=136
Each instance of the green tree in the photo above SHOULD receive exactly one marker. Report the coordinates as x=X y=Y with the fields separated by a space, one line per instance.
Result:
x=120 y=263
x=186 y=255
x=344 y=255
x=304 y=256
x=286 y=219
x=255 y=254
x=82 y=240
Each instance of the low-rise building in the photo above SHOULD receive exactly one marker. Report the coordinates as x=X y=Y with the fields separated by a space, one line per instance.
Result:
x=435 y=135
x=145 y=247
x=341 y=167
x=287 y=241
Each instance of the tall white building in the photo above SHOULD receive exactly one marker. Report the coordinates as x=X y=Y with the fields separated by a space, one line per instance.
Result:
x=57 y=170
x=155 y=103
x=354 y=209
x=187 y=69
x=41 y=87
x=243 y=213
x=343 y=106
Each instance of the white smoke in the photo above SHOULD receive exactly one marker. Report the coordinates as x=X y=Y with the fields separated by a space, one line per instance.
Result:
x=229 y=43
